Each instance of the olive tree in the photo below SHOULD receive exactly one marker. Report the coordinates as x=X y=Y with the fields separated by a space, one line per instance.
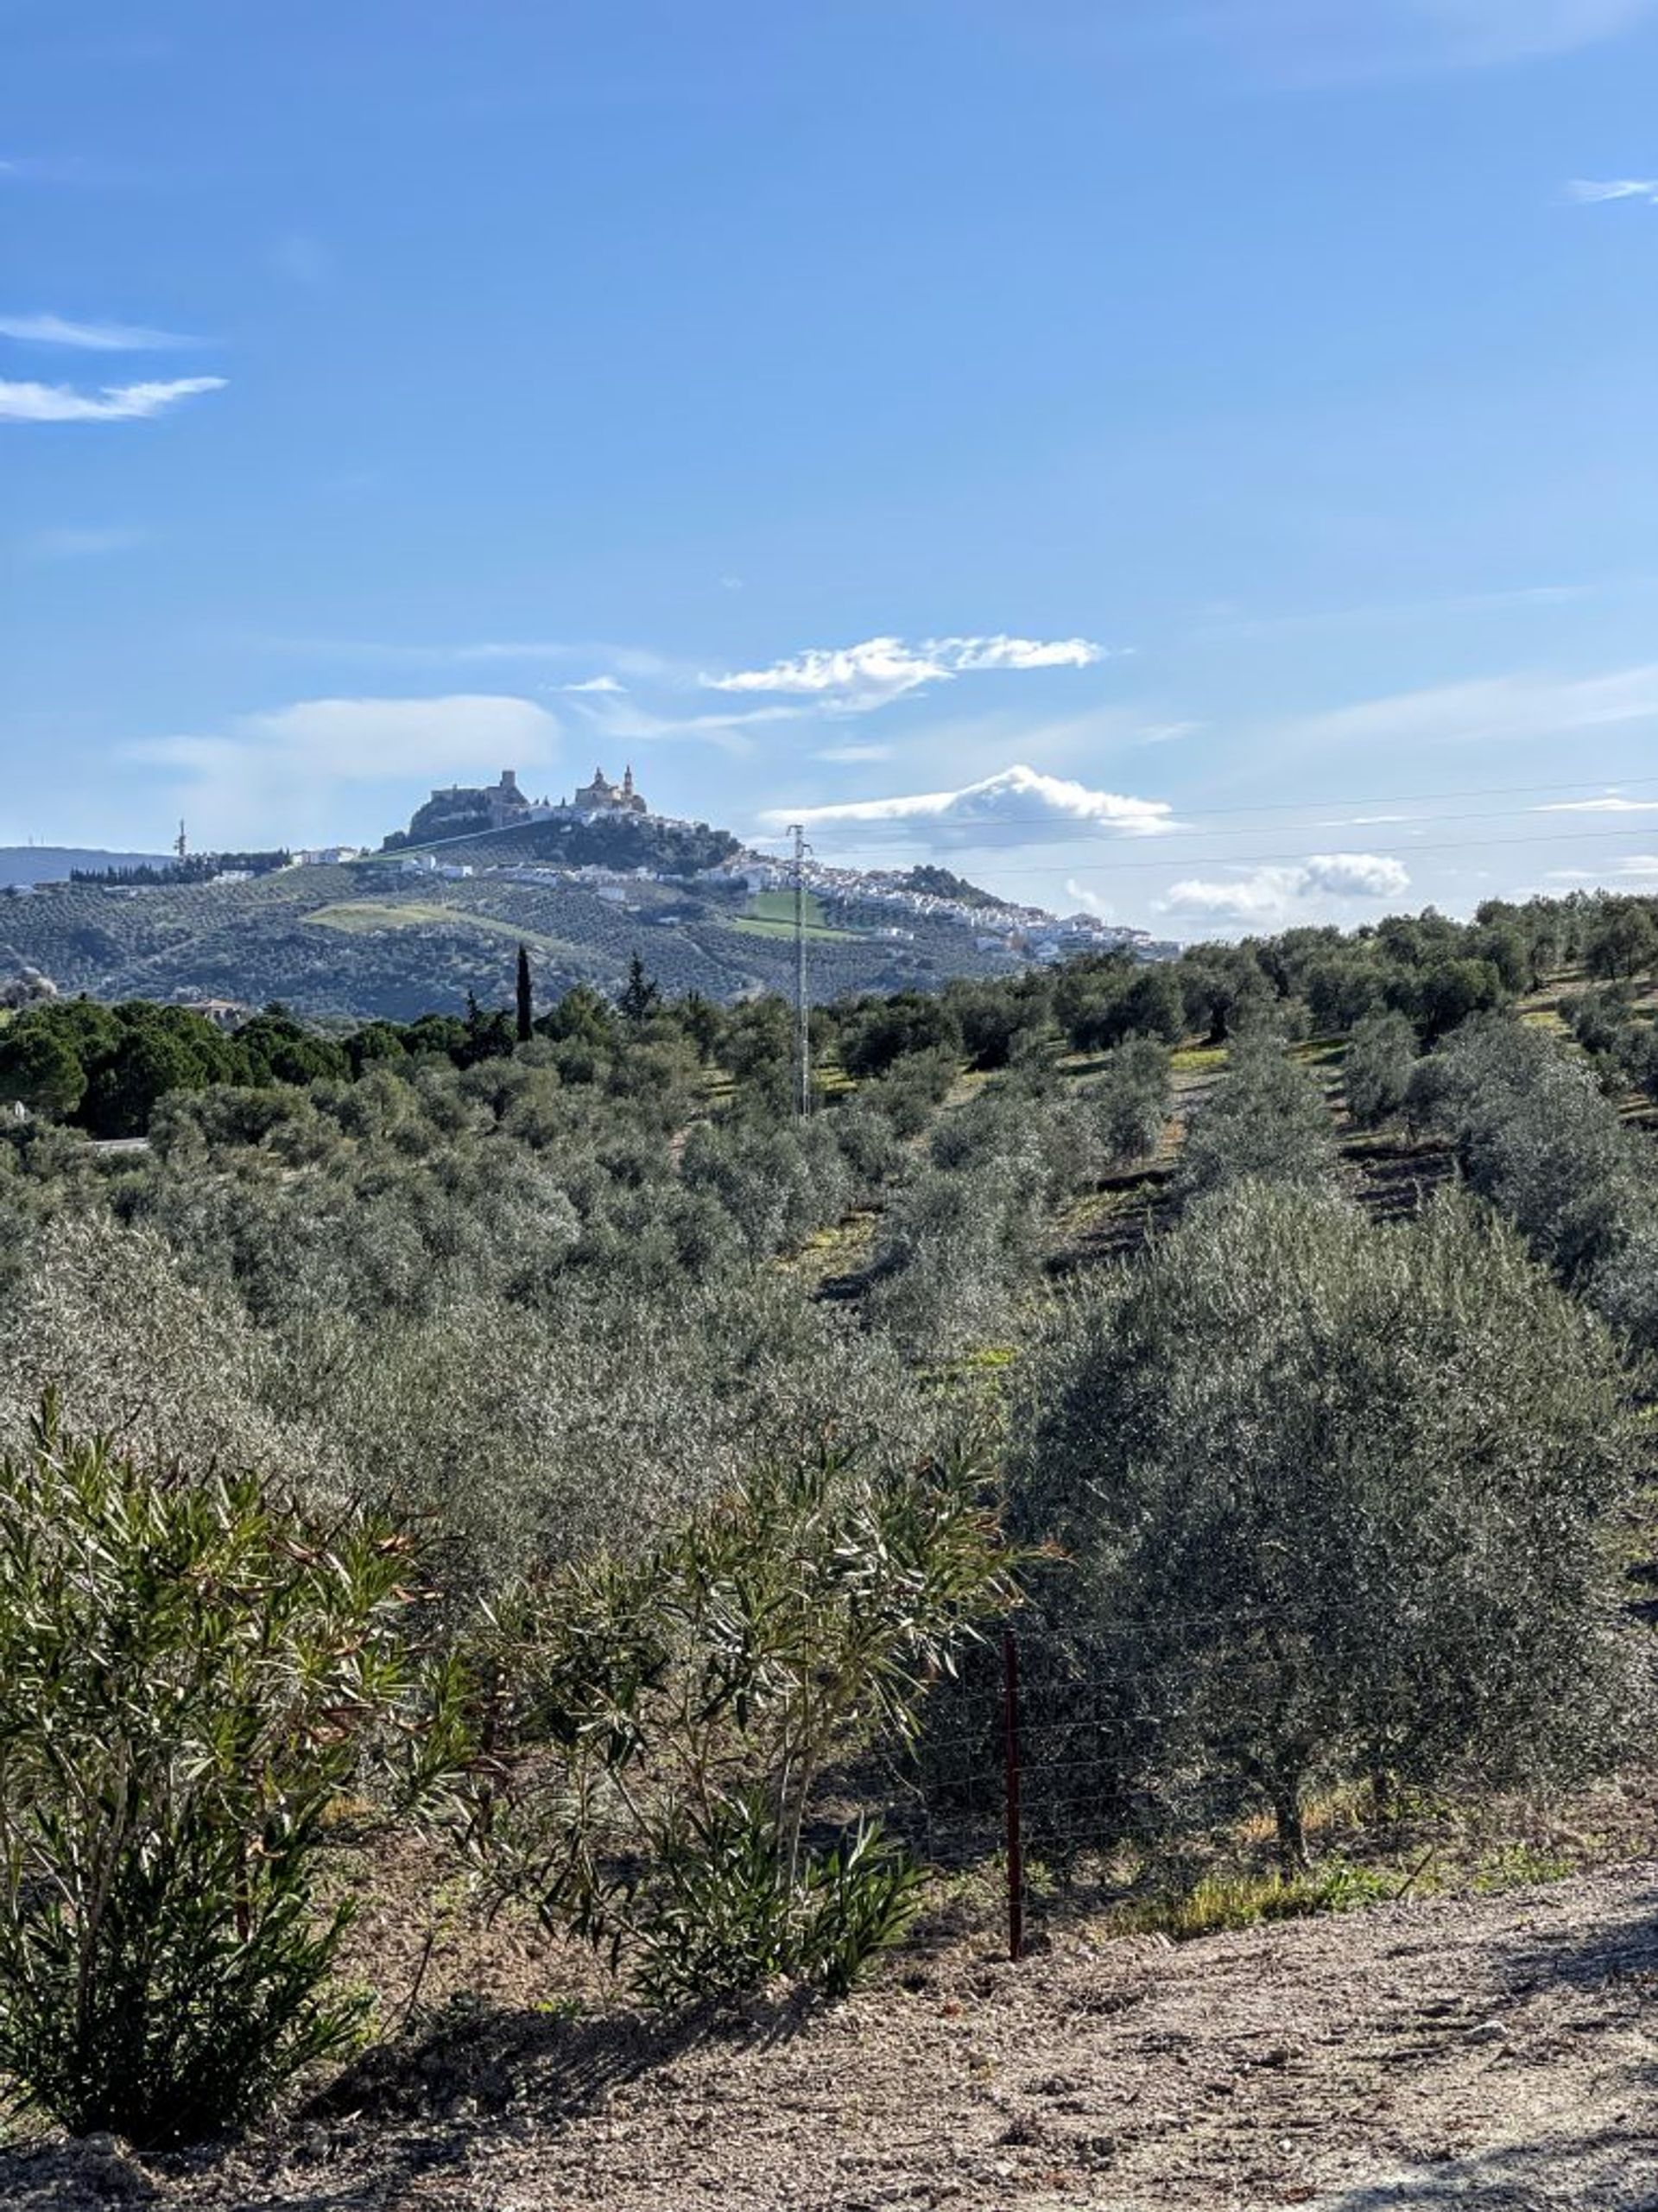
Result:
x=1337 y=1498
x=1375 y=1069
x=1266 y=1118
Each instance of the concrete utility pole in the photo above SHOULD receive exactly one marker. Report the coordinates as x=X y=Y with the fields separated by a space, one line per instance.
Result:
x=802 y=1005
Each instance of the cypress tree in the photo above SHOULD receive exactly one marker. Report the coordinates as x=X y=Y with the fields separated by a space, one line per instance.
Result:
x=526 y=997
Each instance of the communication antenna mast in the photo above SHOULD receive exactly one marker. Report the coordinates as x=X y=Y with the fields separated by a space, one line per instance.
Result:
x=181 y=844
x=802 y=1008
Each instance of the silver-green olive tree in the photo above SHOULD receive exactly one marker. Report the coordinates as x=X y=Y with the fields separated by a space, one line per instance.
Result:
x=1376 y=1067
x=1265 y=1117
x=1337 y=1500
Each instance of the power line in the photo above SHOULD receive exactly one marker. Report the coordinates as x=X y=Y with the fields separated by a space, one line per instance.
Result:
x=802 y=1002
x=1279 y=859
x=1048 y=819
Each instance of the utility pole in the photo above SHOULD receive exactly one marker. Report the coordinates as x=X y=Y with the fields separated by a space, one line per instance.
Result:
x=802 y=1007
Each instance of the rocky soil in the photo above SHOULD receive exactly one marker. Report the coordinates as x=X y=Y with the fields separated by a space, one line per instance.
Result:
x=1492 y=2053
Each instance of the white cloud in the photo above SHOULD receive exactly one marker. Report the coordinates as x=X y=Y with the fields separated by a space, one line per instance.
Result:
x=1091 y=901
x=90 y=337
x=595 y=684
x=1590 y=192
x=857 y=677
x=1018 y=796
x=25 y=403
x=1267 y=893
x=1354 y=874
x=1639 y=868
x=1607 y=806
x=840 y=754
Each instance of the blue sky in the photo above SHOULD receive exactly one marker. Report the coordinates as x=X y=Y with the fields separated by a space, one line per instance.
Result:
x=1196 y=458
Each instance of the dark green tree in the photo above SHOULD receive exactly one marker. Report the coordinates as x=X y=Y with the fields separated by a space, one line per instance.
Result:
x=526 y=998
x=640 y=994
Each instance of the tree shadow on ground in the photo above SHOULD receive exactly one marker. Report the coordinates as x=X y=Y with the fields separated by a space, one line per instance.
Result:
x=1609 y=2161
x=1625 y=1950
x=1605 y=2169
x=419 y=2105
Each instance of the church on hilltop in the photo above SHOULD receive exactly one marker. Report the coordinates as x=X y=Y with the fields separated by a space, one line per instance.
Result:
x=601 y=796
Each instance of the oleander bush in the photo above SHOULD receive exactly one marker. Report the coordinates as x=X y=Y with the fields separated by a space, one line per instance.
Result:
x=191 y=1671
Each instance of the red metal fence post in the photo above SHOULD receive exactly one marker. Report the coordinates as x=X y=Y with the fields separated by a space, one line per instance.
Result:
x=1010 y=1766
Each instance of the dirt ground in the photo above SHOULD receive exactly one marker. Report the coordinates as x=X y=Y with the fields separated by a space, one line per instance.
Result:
x=1492 y=2053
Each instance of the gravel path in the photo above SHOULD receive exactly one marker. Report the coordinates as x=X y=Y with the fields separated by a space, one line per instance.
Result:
x=1497 y=2053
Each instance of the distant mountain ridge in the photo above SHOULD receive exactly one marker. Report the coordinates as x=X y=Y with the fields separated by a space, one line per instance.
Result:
x=51 y=864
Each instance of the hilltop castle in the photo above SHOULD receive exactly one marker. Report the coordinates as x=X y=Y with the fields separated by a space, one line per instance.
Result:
x=501 y=804
x=468 y=809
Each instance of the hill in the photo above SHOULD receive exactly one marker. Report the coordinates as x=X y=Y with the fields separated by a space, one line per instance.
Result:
x=47 y=864
x=397 y=934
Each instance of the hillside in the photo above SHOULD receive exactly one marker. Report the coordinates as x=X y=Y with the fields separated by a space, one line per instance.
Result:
x=395 y=936
x=47 y=864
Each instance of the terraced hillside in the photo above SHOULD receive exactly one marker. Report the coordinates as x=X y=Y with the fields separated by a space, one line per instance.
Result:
x=370 y=939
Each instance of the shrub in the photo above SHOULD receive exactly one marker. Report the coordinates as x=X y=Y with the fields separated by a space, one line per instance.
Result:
x=677 y=1712
x=189 y=1675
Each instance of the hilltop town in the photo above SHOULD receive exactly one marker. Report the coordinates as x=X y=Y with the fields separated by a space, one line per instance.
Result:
x=459 y=815
x=436 y=911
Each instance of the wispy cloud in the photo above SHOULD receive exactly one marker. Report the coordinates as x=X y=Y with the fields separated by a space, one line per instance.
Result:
x=302 y=259
x=287 y=772
x=1639 y=867
x=1336 y=40
x=1607 y=806
x=90 y=337
x=1266 y=893
x=71 y=543
x=1018 y=796
x=1229 y=624
x=844 y=755
x=853 y=678
x=29 y=402
x=1490 y=709
x=1589 y=192
x=31 y=168
x=616 y=661
x=1167 y=734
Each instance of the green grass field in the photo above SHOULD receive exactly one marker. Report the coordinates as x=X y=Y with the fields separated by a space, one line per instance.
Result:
x=771 y=914
x=367 y=918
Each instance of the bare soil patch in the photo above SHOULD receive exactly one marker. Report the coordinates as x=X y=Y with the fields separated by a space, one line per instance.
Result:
x=1494 y=2052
